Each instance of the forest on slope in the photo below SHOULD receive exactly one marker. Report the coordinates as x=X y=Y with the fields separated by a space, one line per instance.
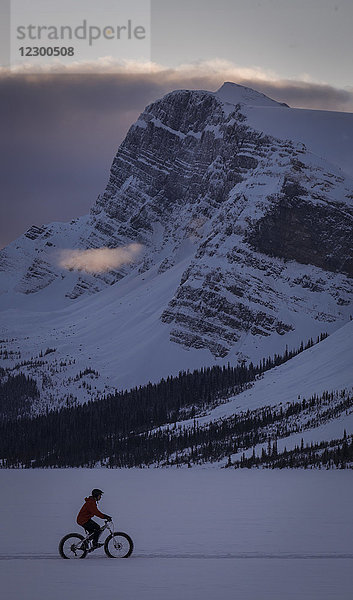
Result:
x=144 y=426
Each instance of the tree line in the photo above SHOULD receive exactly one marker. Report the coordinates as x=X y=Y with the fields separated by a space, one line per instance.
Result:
x=139 y=427
x=334 y=454
x=17 y=393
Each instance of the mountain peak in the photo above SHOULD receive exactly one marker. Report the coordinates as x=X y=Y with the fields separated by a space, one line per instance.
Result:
x=233 y=93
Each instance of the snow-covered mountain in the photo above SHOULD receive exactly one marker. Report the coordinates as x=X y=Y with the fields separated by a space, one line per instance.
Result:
x=243 y=245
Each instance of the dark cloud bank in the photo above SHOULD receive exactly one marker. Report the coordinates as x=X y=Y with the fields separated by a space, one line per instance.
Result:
x=61 y=132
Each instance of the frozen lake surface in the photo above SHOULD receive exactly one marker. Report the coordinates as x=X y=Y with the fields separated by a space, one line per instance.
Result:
x=198 y=534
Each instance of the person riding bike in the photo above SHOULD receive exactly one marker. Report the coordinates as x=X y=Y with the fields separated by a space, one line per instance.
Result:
x=89 y=510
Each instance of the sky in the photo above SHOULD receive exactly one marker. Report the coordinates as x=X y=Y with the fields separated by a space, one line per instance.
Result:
x=61 y=129
x=294 y=39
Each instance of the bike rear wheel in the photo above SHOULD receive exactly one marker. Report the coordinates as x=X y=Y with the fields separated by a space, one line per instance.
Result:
x=72 y=546
x=118 y=545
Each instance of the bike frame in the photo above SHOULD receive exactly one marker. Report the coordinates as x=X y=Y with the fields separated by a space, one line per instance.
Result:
x=89 y=537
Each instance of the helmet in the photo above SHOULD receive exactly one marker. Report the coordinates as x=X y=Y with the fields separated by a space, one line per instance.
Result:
x=96 y=493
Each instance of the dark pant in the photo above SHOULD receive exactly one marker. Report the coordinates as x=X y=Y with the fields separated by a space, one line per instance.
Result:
x=93 y=527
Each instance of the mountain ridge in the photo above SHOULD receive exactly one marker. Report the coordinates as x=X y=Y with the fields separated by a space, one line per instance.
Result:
x=233 y=93
x=246 y=247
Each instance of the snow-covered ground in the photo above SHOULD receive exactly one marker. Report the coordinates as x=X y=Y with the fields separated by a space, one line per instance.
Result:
x=198 y=534
x=327 y=134
x=325 y=367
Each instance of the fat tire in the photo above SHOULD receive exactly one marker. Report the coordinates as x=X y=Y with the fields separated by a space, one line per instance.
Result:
x=109 y=540
x=77 y=536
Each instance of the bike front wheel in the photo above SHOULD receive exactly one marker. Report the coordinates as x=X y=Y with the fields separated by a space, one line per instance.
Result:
x=72 y=546
x=118 y=545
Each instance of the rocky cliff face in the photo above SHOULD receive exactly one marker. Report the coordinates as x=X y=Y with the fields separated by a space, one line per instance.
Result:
x=266 y=226
x=191 y=164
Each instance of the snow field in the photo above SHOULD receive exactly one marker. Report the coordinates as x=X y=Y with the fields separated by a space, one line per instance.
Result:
x=327 y=134
x=326 y=366
x=198 y=533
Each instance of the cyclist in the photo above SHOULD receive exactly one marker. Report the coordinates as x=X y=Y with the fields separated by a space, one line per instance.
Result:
x=89 y=510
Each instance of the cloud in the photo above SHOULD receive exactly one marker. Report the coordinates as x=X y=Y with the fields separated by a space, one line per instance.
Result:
x=121 y=84
x=109 y=65
x=99 y=260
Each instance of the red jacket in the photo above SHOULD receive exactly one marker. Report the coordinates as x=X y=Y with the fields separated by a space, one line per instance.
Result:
x=89 y=510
